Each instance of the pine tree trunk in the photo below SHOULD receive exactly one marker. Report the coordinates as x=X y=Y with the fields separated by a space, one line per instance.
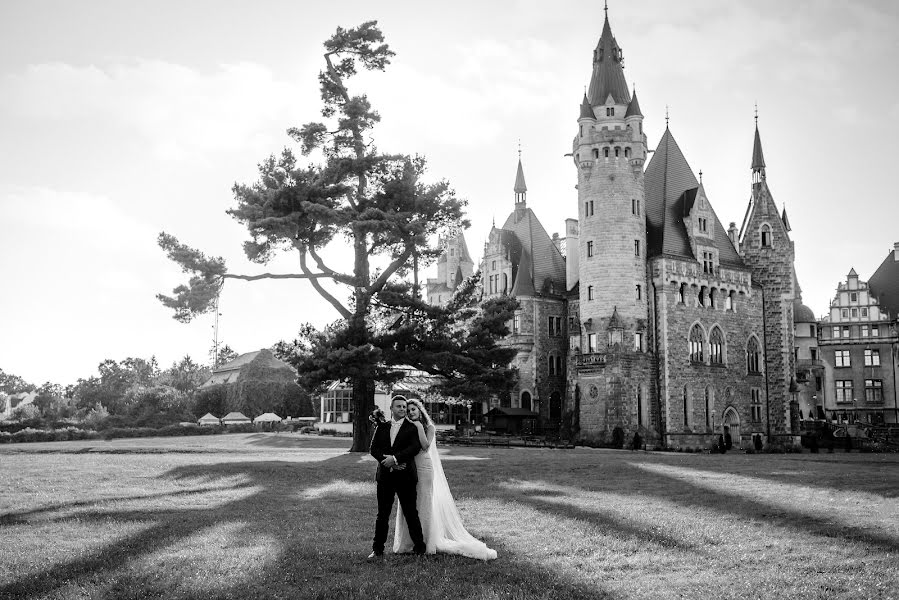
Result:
x=363 y=405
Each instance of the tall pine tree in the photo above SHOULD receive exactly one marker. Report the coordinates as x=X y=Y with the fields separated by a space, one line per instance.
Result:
x=375 y=201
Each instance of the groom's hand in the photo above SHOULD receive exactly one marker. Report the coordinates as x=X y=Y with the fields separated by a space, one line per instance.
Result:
x=389 y=462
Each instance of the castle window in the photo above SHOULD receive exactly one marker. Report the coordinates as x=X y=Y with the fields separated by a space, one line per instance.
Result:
x=635 y=207
x=589 y=292
x=864 y=312
x=853 y=297
x=682 y=294
x=639 y=292
x=701 y=298
x=582 y=131
x=552 y=326
x=713 y=294
x=752 y=356
x=873 y=391
x=617 y=151
x=842 y=358
x=844 y=390
x=732 y=301
x=439 y=298
x=755 y=405
x=636 y=247
x=493 y=266
x=570 y=325
x=708 y=262
x=591 y=343
x=697 y=342
x=872 y=358
x=716 y=347
x=844 y=313
x=505 y=283
x=605 y=152
x=552 y=365
x=452 y=251
x=638 y=341
x=516 y=324
x=610 y=111
x=703 y=225
x=558 y=325
x=596 y=153
x=558 y=365
x=875 y=330
x=709 y=408
x=688 y=407
x=627 y=152
x=865 y=331
x=589 y=249
x=766 y=236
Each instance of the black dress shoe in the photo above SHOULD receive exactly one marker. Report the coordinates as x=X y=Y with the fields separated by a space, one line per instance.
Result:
x=419 y=551
x=375 y=554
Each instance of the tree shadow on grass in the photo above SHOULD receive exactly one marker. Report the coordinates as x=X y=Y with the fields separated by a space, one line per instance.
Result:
x=314 y=533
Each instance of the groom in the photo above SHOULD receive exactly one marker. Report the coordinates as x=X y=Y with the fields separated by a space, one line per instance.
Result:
x=394 y=446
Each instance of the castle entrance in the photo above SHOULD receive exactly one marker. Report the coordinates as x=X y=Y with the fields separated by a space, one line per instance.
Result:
x=732 y=421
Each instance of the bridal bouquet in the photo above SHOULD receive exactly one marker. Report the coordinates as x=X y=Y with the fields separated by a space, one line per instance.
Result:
x=377 y=416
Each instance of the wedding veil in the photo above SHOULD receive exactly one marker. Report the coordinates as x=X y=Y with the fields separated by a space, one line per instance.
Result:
x=446 y=525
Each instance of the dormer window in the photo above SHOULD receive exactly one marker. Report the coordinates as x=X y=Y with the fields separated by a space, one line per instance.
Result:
x=703 y=224
x=610 y=111
x=766 y=236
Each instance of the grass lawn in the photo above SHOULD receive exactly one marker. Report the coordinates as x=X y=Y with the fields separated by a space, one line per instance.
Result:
x=291 y=516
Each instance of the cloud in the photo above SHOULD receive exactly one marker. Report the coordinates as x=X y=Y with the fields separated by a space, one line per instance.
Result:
x=178 y=110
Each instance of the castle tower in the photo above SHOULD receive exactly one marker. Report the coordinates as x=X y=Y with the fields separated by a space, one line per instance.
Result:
x=767 y=249
x=454 y=265
x=611 y=368
x=609 y=151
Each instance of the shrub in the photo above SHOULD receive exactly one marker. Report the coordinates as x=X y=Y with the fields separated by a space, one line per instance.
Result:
x=5 y=437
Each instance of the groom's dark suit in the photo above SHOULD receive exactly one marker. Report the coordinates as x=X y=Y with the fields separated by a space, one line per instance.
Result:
x=398 y=482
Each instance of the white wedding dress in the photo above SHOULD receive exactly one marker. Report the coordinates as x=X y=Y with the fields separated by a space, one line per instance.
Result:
x=440 y=521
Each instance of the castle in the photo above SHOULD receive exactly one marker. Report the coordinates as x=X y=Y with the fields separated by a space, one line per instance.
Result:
x=648 y=315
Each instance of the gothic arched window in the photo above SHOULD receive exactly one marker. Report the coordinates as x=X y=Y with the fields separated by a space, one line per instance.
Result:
x=709 y=408
x=752 y=356
x=766 y=236
x=716 y=347
x=697 y=341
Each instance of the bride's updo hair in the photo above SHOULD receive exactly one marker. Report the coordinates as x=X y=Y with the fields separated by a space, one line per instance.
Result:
x=425 y=417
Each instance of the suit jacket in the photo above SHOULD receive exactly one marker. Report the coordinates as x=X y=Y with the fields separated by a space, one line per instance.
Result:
x=404 y=448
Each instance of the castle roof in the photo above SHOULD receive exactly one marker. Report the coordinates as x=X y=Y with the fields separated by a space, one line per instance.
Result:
x=783 y=217
x=671 y=190
x=884 y=284
x=532 y=251
x=586 y=109
x=802 y=313
x=524 y=282
x=608 y=70
x=464 y=255
x=633 y=109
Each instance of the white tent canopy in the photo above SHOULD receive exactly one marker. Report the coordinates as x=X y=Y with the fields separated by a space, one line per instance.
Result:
x=268 y=418
x=209 y=419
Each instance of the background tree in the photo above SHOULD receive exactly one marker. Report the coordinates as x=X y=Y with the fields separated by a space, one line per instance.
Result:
x=225 y=355
x=13 y=384
x=377 y=202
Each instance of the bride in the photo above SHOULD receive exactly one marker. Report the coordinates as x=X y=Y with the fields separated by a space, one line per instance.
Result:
x=440 y=521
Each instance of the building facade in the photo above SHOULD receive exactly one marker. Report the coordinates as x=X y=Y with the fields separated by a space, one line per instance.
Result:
x=858 y=345
x=648 y=316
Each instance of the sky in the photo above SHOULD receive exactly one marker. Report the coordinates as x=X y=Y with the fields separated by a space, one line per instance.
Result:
x=121 y=120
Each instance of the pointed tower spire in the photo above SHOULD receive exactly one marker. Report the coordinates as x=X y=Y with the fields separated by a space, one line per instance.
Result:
x=586 y=109
x=758 y=159
x=783 y=217
x=521 y=190
x=608 y=70
x=633 y=109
